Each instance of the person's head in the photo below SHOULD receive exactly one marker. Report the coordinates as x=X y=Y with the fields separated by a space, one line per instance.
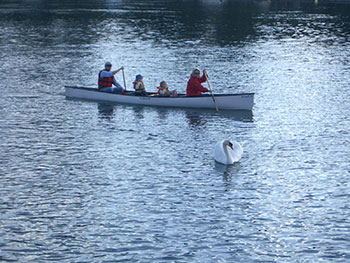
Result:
x=163 y=84
x=108 y=66
x=196 y=73
x=138 y=77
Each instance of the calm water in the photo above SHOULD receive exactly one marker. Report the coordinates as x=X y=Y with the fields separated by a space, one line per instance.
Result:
x=91 y=182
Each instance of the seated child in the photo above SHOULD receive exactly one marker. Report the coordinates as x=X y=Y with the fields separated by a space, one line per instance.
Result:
x=139 y=86
x=163 y=89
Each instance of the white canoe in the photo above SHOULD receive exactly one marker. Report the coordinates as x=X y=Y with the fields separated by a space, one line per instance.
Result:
x=242 y=101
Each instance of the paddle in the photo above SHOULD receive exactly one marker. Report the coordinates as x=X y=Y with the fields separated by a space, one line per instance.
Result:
x=211 y=92
x=124 y=80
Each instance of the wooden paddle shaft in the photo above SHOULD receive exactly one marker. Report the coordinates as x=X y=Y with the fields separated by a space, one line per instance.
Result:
x=211 y=92
x=124 y=80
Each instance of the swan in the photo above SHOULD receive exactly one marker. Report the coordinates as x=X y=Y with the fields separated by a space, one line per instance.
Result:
x=227 y=152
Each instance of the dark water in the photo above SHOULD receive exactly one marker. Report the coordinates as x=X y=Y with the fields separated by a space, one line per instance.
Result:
x=91 y=182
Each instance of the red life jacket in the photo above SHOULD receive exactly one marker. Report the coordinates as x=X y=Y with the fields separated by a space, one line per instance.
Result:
x=165 y=91
x=104 y=82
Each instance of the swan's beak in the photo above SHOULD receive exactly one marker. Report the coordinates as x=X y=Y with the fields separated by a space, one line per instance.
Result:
x=231 y=145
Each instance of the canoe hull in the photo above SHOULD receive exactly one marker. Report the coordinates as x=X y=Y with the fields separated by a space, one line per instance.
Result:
x=243 y=101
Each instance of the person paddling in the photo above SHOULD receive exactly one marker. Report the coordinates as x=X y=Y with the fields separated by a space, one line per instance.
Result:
x=106 y=79
x=194 y=86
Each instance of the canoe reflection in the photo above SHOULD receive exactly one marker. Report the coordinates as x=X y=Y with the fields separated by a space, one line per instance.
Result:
x=197 y=117
x=105 y=110
x=194 y=119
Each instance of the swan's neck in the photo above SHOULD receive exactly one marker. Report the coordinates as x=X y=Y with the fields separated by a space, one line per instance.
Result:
x=227 y=153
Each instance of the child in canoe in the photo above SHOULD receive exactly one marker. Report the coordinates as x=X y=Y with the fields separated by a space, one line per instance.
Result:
x=139 y=86
x=163 y=90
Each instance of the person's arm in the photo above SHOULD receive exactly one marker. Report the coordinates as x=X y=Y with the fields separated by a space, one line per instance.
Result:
x=204 y=77
x=199 y=87
x=116 y=71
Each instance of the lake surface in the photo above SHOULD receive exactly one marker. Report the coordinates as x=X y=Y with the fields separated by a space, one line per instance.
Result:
x=95 y=182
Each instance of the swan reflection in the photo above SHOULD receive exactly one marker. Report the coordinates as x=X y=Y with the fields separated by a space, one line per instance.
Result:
x=227 y=171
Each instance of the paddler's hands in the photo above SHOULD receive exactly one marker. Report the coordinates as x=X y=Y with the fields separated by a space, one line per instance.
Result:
x=205 y=73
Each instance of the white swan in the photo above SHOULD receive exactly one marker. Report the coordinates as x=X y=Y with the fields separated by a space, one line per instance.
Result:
x=227 y=152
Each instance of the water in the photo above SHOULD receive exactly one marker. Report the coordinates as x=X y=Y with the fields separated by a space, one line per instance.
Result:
x=93 y=182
